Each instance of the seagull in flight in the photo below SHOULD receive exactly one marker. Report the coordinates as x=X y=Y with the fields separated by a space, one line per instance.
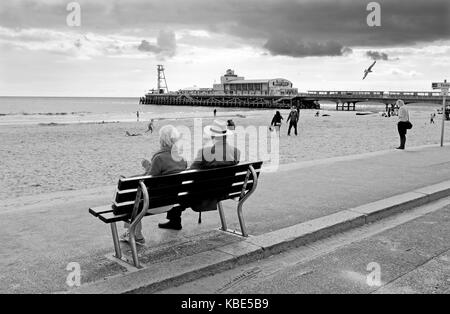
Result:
x=369 y=70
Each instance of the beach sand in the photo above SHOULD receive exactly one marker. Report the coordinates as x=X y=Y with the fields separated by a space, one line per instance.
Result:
x=38 y=159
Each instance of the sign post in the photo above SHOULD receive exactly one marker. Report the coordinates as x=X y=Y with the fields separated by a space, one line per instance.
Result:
x=444 y=87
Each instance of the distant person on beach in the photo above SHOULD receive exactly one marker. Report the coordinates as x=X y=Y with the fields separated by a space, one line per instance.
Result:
x=403 y=124
x=317 y=114
x=215 y=155
x=215 y=113
x=132 y=134
x=137 y=115
x=164 y=162
x=150 y=126
x=231 y=125
x=388 y=111
x=276 y=121
x=293 y=121
x=432 y=116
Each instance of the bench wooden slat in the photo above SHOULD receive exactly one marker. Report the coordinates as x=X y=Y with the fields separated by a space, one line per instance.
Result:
x=187 y=199
x=95 y=211
x=149 y=181
x=188 y=186
x=111 y=217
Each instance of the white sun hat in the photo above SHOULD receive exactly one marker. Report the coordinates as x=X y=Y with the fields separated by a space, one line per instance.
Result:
x=217 y=129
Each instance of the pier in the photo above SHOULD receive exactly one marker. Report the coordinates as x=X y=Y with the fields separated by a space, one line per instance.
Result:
x=276 y=93
x=239 y=101
x=345 y=100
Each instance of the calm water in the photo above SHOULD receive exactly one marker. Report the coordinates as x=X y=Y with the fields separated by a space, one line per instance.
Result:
x=36 y=110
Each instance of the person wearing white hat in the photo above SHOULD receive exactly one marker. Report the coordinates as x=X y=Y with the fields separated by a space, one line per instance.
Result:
x=218 y=154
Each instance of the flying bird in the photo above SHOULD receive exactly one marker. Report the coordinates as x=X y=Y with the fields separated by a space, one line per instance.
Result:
x=369 y=70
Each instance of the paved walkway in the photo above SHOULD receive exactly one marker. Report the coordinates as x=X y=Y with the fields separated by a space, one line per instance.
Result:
x=409 y=253
x=41 y=235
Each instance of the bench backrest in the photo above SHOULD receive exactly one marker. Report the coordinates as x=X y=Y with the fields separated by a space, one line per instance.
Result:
x=185 y=188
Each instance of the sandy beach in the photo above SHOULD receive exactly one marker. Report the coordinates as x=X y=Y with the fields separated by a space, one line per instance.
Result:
x=39 y=159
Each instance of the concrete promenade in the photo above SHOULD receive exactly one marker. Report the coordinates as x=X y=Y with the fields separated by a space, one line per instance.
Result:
x=42 y=234
x=410 y=251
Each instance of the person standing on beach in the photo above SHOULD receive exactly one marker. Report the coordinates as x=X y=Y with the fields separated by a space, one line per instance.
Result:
x=403 y=124
x=215 y=113
x=276 y=121
x=293 y=120
x=150 y=126
x=137 y=115
x=433 y=115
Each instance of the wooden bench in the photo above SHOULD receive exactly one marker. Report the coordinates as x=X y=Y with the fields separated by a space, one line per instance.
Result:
x=136 y=197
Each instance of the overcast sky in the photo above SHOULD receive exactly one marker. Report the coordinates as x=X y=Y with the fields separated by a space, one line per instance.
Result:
x=317 y=44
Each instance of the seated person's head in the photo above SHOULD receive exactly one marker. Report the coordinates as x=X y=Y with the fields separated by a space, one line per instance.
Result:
x=168 y=136
x=217 y=131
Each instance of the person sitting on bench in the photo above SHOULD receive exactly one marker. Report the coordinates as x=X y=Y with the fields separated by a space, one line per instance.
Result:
x=164 y=162
x=219 y=154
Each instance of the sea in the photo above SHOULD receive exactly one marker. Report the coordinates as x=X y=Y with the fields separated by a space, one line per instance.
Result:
x=65 y=110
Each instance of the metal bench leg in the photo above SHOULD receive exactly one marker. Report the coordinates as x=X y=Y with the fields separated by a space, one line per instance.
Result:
x=241 y=220
x=134 y=250
x=244 y=197
x=115 y=237
x=222 y=217
x=136 y=220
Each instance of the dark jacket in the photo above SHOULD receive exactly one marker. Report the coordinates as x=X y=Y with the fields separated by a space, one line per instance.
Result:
x=220 y=154
x=293 y=116
x=276 y=119
x=163 y=163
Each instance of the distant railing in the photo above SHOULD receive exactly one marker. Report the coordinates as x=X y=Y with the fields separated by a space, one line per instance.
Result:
x=373 y=94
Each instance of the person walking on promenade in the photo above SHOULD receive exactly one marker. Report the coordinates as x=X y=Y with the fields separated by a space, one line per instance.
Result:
x=293 y=120
x=215 y=155
x=276 y=122
x=403 y=122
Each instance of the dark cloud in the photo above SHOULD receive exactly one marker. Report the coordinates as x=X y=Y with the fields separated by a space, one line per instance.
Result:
x=147 y=47
x=294 y=48
x=311 y=26
x=165 y=46
x=376 y=55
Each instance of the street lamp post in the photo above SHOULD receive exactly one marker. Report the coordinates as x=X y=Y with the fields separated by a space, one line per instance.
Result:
x=444 y=94
x=444 y=87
